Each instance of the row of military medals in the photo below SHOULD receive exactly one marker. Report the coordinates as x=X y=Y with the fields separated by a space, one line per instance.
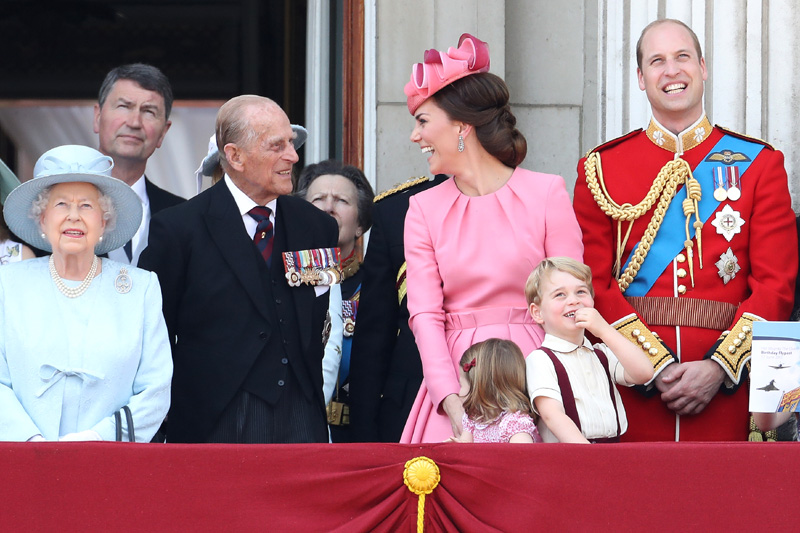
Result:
x=320 y=266
x=726 y=184
x=728 y=222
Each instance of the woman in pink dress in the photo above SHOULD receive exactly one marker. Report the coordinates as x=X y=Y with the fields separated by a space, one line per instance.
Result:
x=471 y=242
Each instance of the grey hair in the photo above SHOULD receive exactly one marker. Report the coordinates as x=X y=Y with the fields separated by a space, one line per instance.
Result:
x=233 y=123
x=147 y=77
x=39 y=205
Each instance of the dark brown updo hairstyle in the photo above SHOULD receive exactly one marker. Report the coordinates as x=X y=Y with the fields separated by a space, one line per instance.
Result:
x=481 y=100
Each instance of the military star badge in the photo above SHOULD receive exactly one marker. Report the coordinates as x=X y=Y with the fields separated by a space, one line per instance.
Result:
x=728 y=266
x=728 y=222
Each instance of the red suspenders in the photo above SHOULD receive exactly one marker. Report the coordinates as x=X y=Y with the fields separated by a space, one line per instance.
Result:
x=567 y=396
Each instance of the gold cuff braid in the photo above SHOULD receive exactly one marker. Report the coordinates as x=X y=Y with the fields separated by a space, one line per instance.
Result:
x=633 y=328
x=734 y=350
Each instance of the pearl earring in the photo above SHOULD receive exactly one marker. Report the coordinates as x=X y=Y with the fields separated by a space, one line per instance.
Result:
x=43 y=235
x=100 y=239
x=460 y=143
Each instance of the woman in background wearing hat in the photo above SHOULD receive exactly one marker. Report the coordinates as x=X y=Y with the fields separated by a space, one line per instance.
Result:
x=471 y=242
x=81 y=337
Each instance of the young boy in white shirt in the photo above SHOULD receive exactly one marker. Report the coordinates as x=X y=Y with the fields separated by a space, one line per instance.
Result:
x=570 y=382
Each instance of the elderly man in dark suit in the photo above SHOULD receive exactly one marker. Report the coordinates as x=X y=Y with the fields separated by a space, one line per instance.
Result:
x=247 y=345
x=386 y=370
x=131 y=118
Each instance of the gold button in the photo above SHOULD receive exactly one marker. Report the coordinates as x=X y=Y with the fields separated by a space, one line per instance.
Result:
x=732 y=349
x=681 y=258
x=646 y=345
x=681 y=273
x=681 y=289
x=263 y=234
x=641 y=339
x=636 y=333
x=653 y=351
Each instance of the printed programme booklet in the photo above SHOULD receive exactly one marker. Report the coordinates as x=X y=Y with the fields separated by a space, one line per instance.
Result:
x=775 y=367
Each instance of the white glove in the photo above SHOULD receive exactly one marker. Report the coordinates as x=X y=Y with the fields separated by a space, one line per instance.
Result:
x=86 y=435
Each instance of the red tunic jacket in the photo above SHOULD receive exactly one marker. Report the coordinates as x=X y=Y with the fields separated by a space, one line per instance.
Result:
x=765 y=249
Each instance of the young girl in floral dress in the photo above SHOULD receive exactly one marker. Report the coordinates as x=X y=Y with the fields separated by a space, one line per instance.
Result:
x=496 y=406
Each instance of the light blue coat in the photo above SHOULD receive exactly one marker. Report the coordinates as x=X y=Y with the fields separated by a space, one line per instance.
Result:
x=68 y=365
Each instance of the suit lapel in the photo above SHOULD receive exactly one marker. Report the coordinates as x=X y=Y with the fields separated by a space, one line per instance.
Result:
x=297 y=237
x=154 y=198
x=227 y=231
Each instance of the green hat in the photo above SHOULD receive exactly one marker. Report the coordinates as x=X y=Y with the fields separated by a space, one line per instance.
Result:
x=8 y=181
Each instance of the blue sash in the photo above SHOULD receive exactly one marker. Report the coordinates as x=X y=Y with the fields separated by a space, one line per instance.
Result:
x=672 y=233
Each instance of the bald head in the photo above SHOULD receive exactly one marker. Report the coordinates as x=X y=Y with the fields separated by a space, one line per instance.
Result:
x=233 y=121
x=256 y=148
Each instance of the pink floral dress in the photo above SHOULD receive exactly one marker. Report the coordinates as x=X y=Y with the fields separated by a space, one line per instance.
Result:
x=502 y=428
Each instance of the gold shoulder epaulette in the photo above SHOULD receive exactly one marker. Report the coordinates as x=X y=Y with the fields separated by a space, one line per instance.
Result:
x=401 y=187
x=745 y=137
x=612 y=142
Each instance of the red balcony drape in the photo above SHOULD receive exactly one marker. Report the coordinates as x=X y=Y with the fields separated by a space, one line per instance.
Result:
x=359 y=487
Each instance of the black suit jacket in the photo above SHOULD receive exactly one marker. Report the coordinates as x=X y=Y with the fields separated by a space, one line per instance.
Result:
x=385 y=367
x=159 y=198
x=212 y=280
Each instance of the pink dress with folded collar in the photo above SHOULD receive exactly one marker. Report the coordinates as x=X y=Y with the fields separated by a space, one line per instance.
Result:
x=467 y=262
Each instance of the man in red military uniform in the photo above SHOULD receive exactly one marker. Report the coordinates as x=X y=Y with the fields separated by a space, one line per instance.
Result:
x=691 y=237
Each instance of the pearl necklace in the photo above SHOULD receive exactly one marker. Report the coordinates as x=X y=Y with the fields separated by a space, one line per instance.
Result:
x=73 y=292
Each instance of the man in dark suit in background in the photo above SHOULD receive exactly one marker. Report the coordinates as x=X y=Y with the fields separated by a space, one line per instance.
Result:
x=131 y=119
x=385 y=367
x=247 y=345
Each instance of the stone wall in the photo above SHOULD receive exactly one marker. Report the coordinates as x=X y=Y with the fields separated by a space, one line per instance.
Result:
x=571 y=70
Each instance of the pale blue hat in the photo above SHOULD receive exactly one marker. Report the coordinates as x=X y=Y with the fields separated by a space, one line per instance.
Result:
x=66 y=164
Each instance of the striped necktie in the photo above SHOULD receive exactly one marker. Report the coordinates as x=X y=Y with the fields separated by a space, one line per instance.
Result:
x=264 y=234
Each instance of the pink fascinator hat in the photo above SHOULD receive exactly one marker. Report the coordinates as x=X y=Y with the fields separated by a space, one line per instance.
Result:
x=440 y=69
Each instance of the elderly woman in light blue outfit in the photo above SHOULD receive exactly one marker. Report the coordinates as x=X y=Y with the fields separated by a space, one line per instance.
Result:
x=80 y=337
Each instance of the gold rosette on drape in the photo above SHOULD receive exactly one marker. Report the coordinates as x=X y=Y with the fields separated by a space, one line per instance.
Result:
x=421 y=476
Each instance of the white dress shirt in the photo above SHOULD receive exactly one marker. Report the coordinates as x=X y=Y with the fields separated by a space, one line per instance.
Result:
x=245 y=204
x=588 y=381
x=139 y=240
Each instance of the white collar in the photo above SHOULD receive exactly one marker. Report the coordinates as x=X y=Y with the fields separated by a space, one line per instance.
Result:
x=557 y=344
x=140 y=189
x=244 y=202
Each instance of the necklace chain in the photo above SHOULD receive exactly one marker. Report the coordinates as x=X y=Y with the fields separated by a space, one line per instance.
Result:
x=73 y=292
